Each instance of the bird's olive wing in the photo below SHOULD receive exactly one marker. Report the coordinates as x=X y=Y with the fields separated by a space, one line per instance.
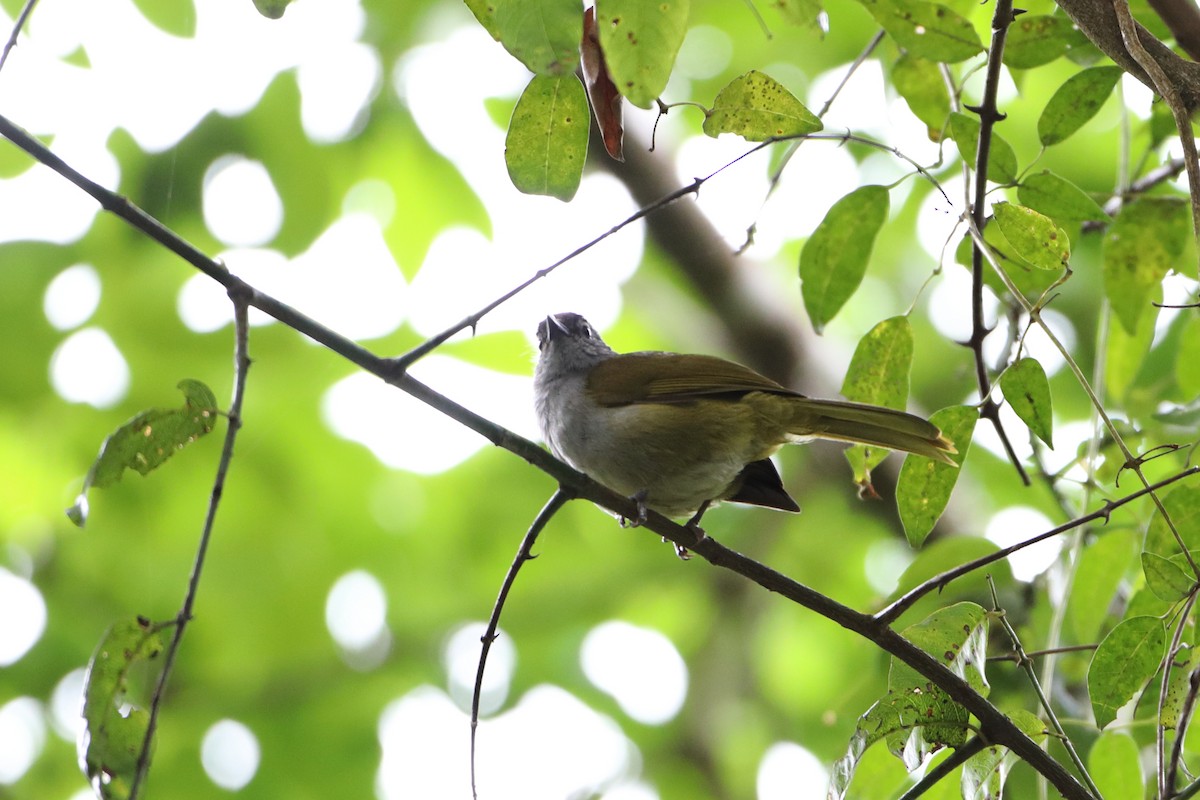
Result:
x=672 y=378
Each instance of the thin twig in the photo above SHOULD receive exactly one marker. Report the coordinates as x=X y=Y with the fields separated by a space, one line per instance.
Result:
x=972 y=747
x=241 y=367
x=1017 y=658
x=994 y=724
x=405 y=361
x=891 y=612
x=1185 y=717
x=989 y=115
x=1027 y=665
x=1132 y=462
x=1160 y=741
x=22 y=18
x=524 y=553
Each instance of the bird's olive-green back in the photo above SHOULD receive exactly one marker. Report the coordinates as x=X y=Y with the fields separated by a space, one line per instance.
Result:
x=672 y=378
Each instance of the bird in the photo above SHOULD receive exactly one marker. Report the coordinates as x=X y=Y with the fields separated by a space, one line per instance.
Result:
x=680 y=433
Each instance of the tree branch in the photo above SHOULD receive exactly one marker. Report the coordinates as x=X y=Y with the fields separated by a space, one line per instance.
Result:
x=997 y=727
x=1098 y=21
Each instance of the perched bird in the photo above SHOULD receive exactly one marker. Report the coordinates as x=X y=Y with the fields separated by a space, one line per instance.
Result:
x=680 y=432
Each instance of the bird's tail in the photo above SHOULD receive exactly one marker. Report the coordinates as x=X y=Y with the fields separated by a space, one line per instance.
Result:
x=872 y=425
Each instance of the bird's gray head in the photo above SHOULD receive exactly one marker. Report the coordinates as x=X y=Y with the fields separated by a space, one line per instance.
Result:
x=568 y=343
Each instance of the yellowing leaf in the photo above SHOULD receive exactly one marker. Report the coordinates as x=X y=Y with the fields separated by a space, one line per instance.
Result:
x=757 y=107
x=1034 y=237
x=547 y=137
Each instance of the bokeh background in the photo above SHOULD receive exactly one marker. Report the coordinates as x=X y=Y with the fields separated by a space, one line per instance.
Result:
x=348 y=158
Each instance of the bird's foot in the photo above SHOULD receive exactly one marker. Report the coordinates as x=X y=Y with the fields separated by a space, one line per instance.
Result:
x=693 y=525
x=642 y=513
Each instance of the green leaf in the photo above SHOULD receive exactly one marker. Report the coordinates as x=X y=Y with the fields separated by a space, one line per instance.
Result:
x=1115 y=765
x=921 y=85
x=1166 y=578
x=543 y=35
x=1034 y=237
x=984 y=773
x=1002 y=159
x=145 y=442
x=1076 y=102
x=640 y=41
x=1183 y=507
x=1144 y=242
x=916 y=718
x=957 y=637
x=1057 y=197
x=1126 y=354
x=272 y=9
x=116 y=725
x=1123 y=663
x=485 y=13
x=176 y=17
x=928 y=30
x=547 y=137
x=805 y=13
x=947 y=553
x=1187 y=358
x=924 y=486
x=1178 y=686
x=1027 y=390
x=757 y=107
x=834 y=259
x=878 y=374
x=1102 y=566
x=1037 y=39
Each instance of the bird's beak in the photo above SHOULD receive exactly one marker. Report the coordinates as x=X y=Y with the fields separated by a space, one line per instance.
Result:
x=553 y=329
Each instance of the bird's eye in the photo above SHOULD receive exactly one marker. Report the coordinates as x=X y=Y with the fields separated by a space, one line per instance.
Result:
x=586 y=330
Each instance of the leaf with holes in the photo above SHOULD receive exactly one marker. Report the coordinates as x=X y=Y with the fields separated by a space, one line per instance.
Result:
x=928 y=30
x=116 y=724
x=757 y=107
x=145 y=442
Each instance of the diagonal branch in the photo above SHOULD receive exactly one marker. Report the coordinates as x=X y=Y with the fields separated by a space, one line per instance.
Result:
x=994 y=724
